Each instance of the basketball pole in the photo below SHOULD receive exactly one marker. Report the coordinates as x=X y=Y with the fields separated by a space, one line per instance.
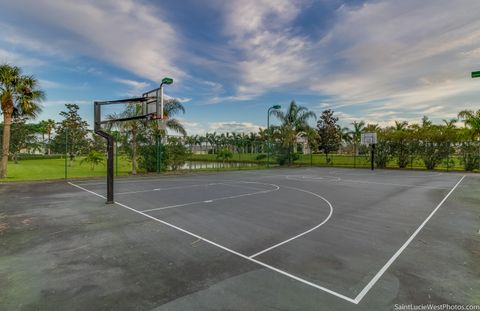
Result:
x=159 y=111
x=110 y=139
x=158 y=137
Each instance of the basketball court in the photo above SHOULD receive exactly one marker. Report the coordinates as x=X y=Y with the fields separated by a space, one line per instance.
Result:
x=293 y=239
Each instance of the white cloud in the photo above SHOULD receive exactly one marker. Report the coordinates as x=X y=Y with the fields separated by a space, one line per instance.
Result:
x=129 y=34
x=233 y=126
x=402 y=56
x=49 y=84
x=401 y=53
x=273 y=56
x=192 y=127
x=62 y=102
x=135 y=88
x=19 y=59
x=183 y=100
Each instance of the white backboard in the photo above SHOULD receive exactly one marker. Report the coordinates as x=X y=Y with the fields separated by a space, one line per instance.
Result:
x=369 y=138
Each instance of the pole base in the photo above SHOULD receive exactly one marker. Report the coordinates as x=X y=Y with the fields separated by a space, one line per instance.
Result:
x=110 y=202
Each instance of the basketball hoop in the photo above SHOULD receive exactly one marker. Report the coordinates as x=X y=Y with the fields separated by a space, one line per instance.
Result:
x=368 y=138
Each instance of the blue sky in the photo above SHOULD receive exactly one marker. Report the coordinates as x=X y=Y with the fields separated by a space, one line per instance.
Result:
x=377 y=61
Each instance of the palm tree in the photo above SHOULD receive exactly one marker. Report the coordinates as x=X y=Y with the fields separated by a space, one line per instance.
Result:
x=42 y=129
x=132 y=127
x=190 y=141
x=400 y=125
x=129 y=128
x=171 y=108
x=212 y=140
x=263 y=137
x=293 y=121
x=197 y=140
x=371 y=128
x=93 y=158
x=19 y=95
x=471 y=119
x=49 y=127
x=356 y=134
x=45 y=127
x=346 y=135
x=450 y=124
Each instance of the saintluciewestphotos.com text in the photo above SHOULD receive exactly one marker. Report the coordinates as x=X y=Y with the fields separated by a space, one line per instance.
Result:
x=440 y=307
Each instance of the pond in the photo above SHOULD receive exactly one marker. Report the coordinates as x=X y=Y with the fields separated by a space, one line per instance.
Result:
x=192 y=165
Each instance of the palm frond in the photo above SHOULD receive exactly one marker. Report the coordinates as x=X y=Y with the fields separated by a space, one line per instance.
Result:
x=175 y=125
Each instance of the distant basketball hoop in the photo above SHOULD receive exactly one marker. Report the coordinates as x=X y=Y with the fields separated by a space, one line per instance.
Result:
x=370 y=139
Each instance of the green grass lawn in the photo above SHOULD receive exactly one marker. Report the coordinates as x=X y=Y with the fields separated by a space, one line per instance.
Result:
x=338 y=160
x=47 y=169
x=43 y=169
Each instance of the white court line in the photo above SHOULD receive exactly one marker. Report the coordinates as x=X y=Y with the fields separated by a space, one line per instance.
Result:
x=236 y=184
x=216 y=199
x=395 y=256
x=140 y=180
x=357 y=299
x=294 y=277
x=390 y=184
x=312 y=177
x=340 y=180
x=168 y=188
x=303 y=233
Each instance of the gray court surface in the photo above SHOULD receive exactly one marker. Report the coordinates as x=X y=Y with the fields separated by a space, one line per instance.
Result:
x=279 y=239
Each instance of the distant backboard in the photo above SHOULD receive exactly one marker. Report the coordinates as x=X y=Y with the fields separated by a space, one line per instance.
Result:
x=369 y=138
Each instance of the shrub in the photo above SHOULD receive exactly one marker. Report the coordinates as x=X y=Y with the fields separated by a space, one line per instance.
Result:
x=261 y=157
x=224 y=154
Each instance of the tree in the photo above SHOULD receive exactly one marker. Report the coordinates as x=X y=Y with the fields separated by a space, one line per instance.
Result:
x=346 y=135
x=22 y=136
x=399 y=137
x=471 y=120
x=129 y=129
x=470 y=156
x=42 y=129
x=177 y=153
x=224 y=154
x=293 y=121
x=93 y=158
x=469 y=150
x=212 y=139
x=356 y=134
x=433 y=143
x=171 y=108
x=46 y=127
x=74 y=131
x=19 y=95
x=329 y=137
x=383 y=148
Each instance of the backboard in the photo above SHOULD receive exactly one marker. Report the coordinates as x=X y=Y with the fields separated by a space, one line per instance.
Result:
x=146 y=107
x=369 y=138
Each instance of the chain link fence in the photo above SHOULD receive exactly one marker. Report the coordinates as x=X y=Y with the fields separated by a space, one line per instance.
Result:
x=419 y=155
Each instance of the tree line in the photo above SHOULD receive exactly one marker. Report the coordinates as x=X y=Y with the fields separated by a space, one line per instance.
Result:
x=143 y=141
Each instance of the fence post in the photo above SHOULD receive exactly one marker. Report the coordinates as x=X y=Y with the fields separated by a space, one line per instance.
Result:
x=354 y=155
x=66 y=152
x=116 y=158
x=311 y=156
x=158 y=146
x=373 y=156
x=448 y=157
x=478 y=143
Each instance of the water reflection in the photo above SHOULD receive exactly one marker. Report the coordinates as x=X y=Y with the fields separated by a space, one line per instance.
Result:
x=193 y=165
